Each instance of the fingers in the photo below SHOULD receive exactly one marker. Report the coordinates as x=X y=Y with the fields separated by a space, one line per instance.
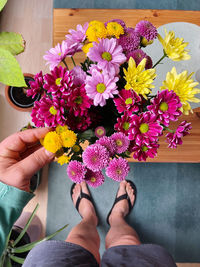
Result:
x=35 y=161
x=18 y=142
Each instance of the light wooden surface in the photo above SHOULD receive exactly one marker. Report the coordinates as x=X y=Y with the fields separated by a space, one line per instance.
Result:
x=65 y=19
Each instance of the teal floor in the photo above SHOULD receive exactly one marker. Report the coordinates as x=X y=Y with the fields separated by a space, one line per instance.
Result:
x=167 y=211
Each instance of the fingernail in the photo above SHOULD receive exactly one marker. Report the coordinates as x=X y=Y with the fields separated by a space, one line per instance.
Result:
x=49 y=154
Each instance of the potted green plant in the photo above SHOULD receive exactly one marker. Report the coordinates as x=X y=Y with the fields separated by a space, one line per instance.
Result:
x=18 y=244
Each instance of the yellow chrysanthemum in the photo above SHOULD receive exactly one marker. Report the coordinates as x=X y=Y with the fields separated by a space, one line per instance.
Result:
x=63 y=160
x=86 y=47
x=52 y=142
x=76 y=148
x=68 y=138
x=174 y=47
x=114 y=29
x=183 y=86
x=60 y=129
x=96 y=30
x=139 y=79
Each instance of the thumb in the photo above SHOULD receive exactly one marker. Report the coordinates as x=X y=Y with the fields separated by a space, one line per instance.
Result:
x=35 y=161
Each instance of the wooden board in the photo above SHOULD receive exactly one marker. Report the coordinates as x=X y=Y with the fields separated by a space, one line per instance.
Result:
x=65 y=19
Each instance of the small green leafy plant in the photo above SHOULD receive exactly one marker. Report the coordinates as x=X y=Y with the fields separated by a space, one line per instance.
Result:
x=12 y=250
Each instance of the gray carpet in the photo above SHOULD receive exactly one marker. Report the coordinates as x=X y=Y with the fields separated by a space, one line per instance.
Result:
x=167 y=211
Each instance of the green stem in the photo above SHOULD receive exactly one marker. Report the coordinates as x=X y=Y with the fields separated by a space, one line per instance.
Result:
x=73 y=61
x=159 y=60
x=65 y=64
x=169 y=130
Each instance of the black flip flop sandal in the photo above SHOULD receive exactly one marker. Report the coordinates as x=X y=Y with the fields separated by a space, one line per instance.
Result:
x=124 y=196
x=81 y=196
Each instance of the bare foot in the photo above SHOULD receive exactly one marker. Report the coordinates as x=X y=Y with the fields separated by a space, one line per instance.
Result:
x=86 y=208
x=121 y=208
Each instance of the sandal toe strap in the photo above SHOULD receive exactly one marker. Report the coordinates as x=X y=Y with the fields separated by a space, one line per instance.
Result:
x=82 y=195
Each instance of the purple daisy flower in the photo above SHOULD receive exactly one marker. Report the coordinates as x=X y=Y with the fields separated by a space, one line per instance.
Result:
x=95 y=157
x=108 y=55
x=108 y=143
x=146 y=29
x=100 y=87
x=59 y=82
x=130 y=40
x=144 y=151
x=138 y=56
x=121 y=141
x=76 y=171
x=145 y=127
x=100 y=131
x=36 y=86
x=127 y=100
x=79 y=76
x=37 y=118
x=94 y=179
x=123 y=124
x=118 y=169
x=166 y=106
x=78 y=35
x=174 y=139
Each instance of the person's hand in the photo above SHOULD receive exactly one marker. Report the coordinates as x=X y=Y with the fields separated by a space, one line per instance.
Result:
x=21 y=155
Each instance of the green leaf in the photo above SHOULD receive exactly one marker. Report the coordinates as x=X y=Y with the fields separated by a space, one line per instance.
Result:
x=86 y=135
x=8 y=262
x=10 y=71
x=33 y=244
x=17 y=259
x=12 y=42
x=26 y=226
x=2 y=4
x=2 y=259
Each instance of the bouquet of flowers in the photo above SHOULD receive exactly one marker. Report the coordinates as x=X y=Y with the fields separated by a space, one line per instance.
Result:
x=107 y=100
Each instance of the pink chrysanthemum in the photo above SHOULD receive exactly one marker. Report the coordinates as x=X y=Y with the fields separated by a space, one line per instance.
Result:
x=37 y=118
x=119 y=21
x=79 y=76
x=78 y=35
x=130 y=40
x=174 y=139
x=108 y=143
x=95 y=157
x=145 y=127
x=121 y=141
x=59 y=82
x=144 y=151
x=78 y=102
x=79 y=123
x=118 y=169
x=128 y=101
x=94 y=179
x=36 y=86
x=76 y=171
x=146 y=29
x=166 y=106
x=138 y=56
x=123 y=124
x=100 y=87
x=100 y=131
x=108 y=55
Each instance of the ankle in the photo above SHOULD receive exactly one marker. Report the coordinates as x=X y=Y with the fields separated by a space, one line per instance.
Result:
x=90 y=219
x=116 y=217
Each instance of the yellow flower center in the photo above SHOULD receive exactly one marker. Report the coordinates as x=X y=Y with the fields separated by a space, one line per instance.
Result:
x=78 y=100
x=94 y=159
x=101 y=88
x=76 y=148
x=119 y=142
x=58 y=81
x=52 y=110
x=118 y=171
x=163 y=106
x=129 y=101
x=93 y=179
x=107 y=56
x=144 y=127
x=126 y=125
x=144 y=148
x=59 y=53
x=100 y=131
x=73 y=173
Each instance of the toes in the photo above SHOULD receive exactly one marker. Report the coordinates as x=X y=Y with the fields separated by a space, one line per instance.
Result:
x=76 y=192
x=130 y=192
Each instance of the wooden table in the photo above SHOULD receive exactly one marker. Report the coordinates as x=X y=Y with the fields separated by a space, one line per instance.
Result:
x=65 y=19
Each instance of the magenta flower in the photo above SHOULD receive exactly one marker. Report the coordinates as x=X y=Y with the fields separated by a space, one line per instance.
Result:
x=36 y=86
x=130 y=40
x=79 y=123
x=108 y=143
x=166 y=106
x=174 y=139
x=59 y=82
x=100 y=87
x=108 y=55
x=78 y=102
x=95 y=157
x=123 y=124
x=146 y=29
x=138 y=56
x=76 y=171
x=100 y=131
x=94 y=179
x=121 y=141
x=145 y=127
x=128 y=101
x=37 y=118
x=144 y=151
x=118 y=169
x=79 y=76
